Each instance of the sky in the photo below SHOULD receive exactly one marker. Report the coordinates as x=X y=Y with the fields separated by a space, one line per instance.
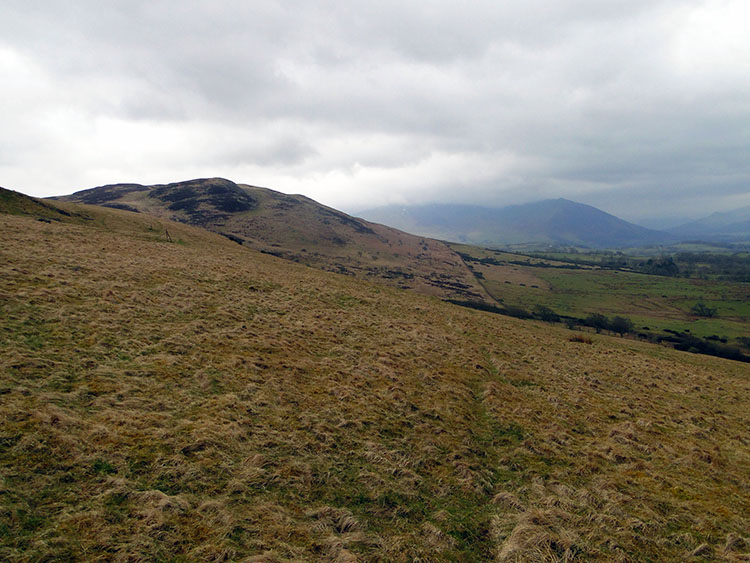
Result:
x=639 y=107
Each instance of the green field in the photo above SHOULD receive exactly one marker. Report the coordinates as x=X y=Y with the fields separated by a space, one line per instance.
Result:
x=657 y=302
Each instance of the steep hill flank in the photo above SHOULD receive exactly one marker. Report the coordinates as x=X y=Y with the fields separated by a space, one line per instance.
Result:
x=15 y=203
x=300 y=229
x=194 y=400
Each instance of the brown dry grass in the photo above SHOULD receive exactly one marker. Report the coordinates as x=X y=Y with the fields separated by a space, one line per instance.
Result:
x=581 y=338
x=195 y=400
x=510 y=274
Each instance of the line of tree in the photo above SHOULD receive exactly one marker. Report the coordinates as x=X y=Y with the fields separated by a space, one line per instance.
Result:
x=702 y=265
x=684 y=341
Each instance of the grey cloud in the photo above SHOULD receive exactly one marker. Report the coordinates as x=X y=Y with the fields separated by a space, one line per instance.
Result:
x=579 y=98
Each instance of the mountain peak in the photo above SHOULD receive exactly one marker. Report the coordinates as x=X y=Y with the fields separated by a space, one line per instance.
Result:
x=551 y=221
x=725 y=226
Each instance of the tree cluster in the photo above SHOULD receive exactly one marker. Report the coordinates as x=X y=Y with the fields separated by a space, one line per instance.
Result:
x=618 y=325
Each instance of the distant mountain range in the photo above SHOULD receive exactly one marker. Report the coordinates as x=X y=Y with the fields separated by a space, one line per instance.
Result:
x=720 y=227
x=558 y=222
x=548 y=222
x=299 y=229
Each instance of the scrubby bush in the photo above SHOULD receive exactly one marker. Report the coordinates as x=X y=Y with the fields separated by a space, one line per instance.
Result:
x=686 y=342
x=703 y=310
x=518 y=312
x=546 y=314
x=621 y=325
x=597 y=321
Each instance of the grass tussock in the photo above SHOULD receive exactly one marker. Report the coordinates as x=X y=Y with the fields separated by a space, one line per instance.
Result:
x=193 y=400
x=581 y=338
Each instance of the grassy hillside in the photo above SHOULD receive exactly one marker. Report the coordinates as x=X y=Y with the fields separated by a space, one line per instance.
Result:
x=196 y=400
x=15 y=203
x=299 y=229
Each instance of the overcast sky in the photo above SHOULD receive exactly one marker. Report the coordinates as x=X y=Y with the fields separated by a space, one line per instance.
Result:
x=640 y=107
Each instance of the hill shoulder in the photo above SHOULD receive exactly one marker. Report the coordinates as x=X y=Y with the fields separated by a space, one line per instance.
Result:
x=299 y=229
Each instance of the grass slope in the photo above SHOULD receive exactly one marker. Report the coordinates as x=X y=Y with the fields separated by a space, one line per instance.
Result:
x=15 y=203
x=196 y=400
x=299 y=229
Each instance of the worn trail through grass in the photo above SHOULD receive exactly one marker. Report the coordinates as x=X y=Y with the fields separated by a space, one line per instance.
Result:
x=195 y=400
